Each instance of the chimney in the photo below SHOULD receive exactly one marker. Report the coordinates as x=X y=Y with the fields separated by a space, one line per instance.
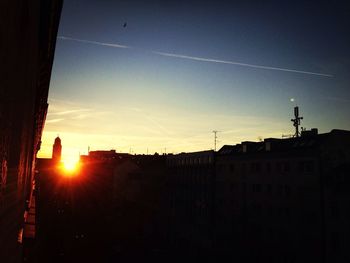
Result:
x=309 y=133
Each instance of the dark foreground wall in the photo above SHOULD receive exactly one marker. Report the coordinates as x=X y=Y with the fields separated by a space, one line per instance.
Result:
x=28 y=35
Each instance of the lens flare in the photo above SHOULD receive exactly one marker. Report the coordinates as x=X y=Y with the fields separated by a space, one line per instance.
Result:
x=70 y=166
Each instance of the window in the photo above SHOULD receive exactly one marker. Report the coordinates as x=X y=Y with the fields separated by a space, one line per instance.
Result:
x=335 y=241
x=256 y=209
x=306 y=166
x=270 y=211
x=286 y=167
x=278 y=167
x=244 y=187
x=3 y=175
x=258 y=167
x=268 y=167
x=256 y=188
x=334 y=211
x=279 y=189
x=233 y=187
x=309 y=166
x=287 y=190
x=255 y=167
x=268 y=146
x=219 y=168
x=269 y=188
x=243 y=169
x=286 y=211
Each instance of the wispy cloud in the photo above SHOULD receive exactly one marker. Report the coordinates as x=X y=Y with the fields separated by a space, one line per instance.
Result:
x=54 y=120
x=74 y=116
x=81 y=116
x=68 y=112
x=151 y=123
x=201 y=59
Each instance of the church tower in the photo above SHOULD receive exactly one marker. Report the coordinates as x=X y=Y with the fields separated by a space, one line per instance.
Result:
x=56 y=150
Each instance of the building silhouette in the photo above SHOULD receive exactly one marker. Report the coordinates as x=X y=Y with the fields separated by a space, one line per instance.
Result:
x=112 y=206
x=276 y=200
x=57 y=150
x=191 y=180
x=28 y=41
x=279 y=200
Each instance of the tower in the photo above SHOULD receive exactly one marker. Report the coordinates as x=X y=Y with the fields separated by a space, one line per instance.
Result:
x=56 y=150
x=215 y=139
x=296 y=121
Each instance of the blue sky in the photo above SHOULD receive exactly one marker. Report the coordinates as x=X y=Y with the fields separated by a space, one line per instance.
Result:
x=134 y=99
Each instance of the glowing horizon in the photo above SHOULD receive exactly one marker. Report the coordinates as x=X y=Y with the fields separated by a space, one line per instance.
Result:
x=156 y=133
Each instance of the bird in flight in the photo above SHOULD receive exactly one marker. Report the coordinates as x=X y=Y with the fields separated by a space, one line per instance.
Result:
x=125 y=24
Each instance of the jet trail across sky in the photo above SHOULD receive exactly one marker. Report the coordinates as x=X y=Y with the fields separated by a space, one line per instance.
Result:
x=239 y=63
x=92 y=42
x=174 y=55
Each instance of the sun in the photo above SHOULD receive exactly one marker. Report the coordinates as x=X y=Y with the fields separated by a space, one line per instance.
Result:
x=70 y=166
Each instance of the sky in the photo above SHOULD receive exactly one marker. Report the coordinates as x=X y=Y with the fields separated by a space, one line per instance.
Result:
x=156 y=76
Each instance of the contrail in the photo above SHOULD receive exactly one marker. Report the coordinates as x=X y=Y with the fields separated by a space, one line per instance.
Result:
x=239 y=63
x=93 y=42
x=174 y=55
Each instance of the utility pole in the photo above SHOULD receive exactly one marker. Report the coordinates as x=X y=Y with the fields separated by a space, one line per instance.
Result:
x=215 y=139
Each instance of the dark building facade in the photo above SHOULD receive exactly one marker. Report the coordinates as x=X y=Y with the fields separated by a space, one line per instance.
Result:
x=279 y=200
x=110 y=209
x=139 y=205
x=190 y=184
x=28 y=40
x=275 y=200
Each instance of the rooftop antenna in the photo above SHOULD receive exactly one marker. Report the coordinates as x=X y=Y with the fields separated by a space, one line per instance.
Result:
x=215 y=139
x=296 y=121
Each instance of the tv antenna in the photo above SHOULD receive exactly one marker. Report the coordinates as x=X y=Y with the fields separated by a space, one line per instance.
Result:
x=215 y=139
x=296 y=121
